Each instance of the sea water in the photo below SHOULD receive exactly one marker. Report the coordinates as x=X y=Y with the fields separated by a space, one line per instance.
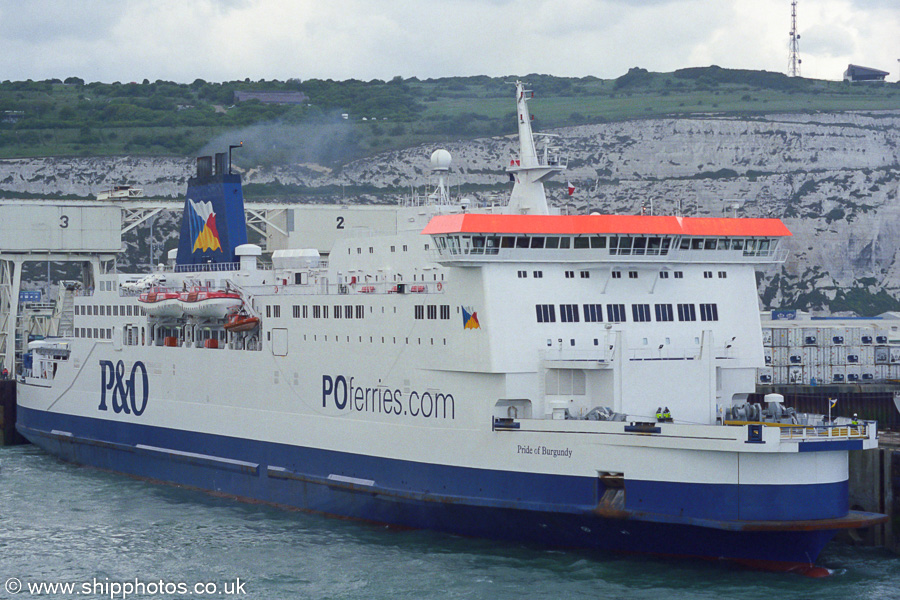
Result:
x=111 y=536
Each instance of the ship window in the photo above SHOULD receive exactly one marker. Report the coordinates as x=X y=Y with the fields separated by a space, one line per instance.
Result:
x=360 y=311
x=546 y=313
x=268 y=311
x=507 y=242
x=493 y=243
x=666 y=242
x=585 y=274
x=593 y=313
x=653 y=245
x=598 y=241
x=615 y=313
x=442 y=244
x=709 y=312
x=522 y=274
x=724 y=244
x=445 y=311
x=419 y=311
x=617 y=274
x=640 y=313
x=640 y=244
x=552 y=242
x=305 y=311
x=723 y=274
x=686 y=312
x=685 y=244
x=337 y=311
x=317 y=311
x=325 y=311
x=568 y=313
x=570 y=274
x=348 y=312
x=296 y=311
x=537 y=242
x=697 y=244
x=432 y=311
x=359 y=250
x=538 y=274
x=663 y=312
x=679 y=274
x=564 y=242
x=582 y=243
x=750 y=248
x=276 y=311
x=709 y=244
x=632 y=274
x=663 y=274
x=405 y=248
x=522 y=241
x=707 y=274
x=737 y=244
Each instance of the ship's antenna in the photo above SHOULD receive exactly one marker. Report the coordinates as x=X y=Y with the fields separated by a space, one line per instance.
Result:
x=529 y=170
x=794 y=55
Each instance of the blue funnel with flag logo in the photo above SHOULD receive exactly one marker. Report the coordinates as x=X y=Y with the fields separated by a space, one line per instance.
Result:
x=213 y=222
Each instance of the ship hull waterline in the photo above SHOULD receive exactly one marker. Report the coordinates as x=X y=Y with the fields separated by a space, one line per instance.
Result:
x=251 y=475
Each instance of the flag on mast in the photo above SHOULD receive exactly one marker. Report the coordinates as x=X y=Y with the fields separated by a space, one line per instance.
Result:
x=570 y=187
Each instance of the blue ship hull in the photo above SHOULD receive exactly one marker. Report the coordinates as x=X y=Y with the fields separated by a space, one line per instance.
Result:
x=518 y=507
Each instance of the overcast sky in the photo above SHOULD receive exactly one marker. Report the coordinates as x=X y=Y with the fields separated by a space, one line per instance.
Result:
x=182 y=40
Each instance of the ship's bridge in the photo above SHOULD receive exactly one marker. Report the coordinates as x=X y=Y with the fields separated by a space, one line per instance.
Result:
x=477 y=238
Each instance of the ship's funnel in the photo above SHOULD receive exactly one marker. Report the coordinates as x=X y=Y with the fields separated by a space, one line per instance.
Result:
x=213 y=223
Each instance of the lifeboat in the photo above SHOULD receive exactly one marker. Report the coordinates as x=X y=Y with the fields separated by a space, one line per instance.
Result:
x=209 y=304
x=161 y=302
x=417 y=289
x=367 y=289
x=240 y=322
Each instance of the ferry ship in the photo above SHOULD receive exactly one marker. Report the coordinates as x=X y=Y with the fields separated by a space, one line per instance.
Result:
x=506 y=372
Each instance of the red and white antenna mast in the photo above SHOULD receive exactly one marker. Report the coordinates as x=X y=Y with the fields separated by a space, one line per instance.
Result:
x=794 y=55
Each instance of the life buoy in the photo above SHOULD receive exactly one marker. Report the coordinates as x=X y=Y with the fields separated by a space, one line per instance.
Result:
x=276 y=289
x=439 y=286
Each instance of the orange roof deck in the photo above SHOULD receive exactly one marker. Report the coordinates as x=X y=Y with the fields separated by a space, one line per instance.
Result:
x=605 y=224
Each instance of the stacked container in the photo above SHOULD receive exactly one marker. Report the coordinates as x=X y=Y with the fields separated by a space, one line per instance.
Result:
x=816 y=352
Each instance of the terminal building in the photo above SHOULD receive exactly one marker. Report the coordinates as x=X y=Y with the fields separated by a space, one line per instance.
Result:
x=858 y=73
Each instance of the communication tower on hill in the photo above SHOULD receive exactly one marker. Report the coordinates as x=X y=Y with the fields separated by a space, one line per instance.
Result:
x=794 y=55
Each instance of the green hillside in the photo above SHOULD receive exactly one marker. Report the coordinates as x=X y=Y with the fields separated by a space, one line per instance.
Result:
x=74 y=118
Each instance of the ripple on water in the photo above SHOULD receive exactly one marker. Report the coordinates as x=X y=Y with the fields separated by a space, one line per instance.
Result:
x=66 y=523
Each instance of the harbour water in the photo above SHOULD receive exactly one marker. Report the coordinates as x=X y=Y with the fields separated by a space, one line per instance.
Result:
x=60 y=523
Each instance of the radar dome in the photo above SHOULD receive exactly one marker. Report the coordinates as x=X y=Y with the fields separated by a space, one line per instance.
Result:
x=440 y=160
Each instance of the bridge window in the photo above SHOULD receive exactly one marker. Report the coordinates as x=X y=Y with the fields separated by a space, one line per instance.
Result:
x=568 y=313
x=686 y=312
x=582 y=243
x=615 y=313
x=598 y=241
x=663 y=312
x=640 y=313
x=593 y=313
x=537 y=242
x=709 y=312
x=546 y=313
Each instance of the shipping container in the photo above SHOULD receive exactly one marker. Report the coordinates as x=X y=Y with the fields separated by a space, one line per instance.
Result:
x=795 y=336
x=781 y=375
x=853 y=336
x=795 y=375
x=894 y=354
x=815 y=374
x=780 y=356
x=795 y=355
x=882 y=372
x=810 y=336
x=854 y=355
x=767 y=336
x=868 y=356
x=779 y=337
x=853 y=374
x=882 y=355
x=837 y=356
x=768 y=354
x=765 y=375
x=867 y=337
x=838 y=374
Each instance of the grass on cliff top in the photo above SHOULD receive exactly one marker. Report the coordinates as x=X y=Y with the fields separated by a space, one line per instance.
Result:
x=72 y=118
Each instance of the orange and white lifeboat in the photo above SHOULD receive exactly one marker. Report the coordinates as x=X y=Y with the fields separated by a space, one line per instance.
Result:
x=209 y=304
x=241 y=322
x=161 y=302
